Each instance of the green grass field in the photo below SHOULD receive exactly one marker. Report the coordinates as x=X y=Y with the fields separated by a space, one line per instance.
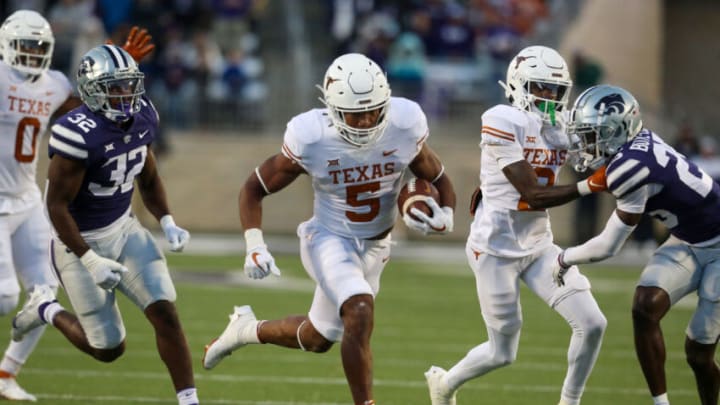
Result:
x=426 y=314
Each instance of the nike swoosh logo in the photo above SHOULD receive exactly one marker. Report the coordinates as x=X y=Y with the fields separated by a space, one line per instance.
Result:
x=387 y=153
x=254 y=258
x=438 y=229
x=143 y=133
x=595 y=185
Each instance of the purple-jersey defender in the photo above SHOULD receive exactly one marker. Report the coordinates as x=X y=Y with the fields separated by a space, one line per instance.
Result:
x=647 y=176
x=682 y=196
x=112 y=156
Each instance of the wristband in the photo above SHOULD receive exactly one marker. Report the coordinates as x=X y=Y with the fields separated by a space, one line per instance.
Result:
x=88 y=258
x=583 y=187
x=253 y=238
x=167 y=220
x=561 y=260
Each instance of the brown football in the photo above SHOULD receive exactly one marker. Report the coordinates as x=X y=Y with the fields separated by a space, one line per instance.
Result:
x=412 y=195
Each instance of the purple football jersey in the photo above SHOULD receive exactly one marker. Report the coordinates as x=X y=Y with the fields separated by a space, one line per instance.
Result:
x=688 y=200
x=112 y=156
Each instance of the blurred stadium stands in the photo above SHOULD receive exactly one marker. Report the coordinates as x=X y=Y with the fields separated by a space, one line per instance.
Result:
x=227 y=75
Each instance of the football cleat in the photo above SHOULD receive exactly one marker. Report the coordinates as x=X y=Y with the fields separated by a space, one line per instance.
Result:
x=440 y=393
x=30 y=316
x=241 y=330
x=9 y=389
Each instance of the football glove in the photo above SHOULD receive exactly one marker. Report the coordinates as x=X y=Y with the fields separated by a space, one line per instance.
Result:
x=137 y=44
x=596 y=183
x=176 y=236
x=259 y=263
x=560 y=269
x=105 y=272
x=440 y=222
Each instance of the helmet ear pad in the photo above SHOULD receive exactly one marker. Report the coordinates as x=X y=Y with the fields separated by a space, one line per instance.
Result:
x=354 y=84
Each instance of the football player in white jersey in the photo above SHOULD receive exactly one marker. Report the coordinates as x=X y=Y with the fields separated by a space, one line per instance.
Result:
x=646 y=175
x=30 y=95
x=356 y=151
x=523 y=147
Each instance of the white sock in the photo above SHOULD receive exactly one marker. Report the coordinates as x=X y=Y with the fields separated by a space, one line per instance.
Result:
x=17 y=353
x=188 y=396
x=661 y=399
x=50 y=311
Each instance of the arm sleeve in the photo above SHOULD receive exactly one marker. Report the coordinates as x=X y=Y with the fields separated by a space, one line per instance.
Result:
x=634 y=202
x=602 y=246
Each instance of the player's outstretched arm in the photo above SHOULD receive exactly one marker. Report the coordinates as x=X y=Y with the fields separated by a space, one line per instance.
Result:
x=138 y=43
x=523 y=177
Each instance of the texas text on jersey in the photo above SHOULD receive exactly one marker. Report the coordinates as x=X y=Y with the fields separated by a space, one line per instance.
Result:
x=354 y=186
x=25 y=110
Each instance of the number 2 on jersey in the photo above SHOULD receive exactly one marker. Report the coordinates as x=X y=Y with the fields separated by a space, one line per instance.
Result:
x=542 y=173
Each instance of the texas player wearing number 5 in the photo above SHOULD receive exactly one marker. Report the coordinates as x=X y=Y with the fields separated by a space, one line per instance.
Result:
x=647 y=176
x=523 y=147
x=356 y=151
x=98 y=152
x=30 y=95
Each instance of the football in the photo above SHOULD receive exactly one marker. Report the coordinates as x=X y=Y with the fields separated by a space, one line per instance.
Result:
x=412 y=195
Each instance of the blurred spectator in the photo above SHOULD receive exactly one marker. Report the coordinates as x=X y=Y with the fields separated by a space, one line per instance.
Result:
x=406 y=66
x=708 y=158
x=686 y=142
x=114 y=13
x=376 y=33
x=234 y=77
x=176 y=94
x=452 y=36
x=586 y=72
x=231 y=21
x=64 y=18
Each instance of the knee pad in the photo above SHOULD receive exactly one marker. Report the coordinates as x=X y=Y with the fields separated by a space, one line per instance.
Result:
x=8 y=303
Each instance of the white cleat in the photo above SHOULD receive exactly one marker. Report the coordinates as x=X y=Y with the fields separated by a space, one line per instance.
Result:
x=30 y=316
x=241 y=330
x=440 y=393
x=9 y=389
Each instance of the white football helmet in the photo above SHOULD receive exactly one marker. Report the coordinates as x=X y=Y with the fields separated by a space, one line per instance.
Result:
x=538 y=69
x=354 y=83
x=26 y=42
x=602 y=120
x=109 y=81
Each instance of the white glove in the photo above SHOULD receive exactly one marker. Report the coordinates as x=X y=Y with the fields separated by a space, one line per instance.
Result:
x=259 y=263
x=106 y=273
x=560 y=269
x=176 y=236
x=440 y=222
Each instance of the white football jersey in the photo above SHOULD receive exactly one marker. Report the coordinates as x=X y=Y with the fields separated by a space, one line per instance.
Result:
x=25 y=109
x=504 y=224
x=356 y=188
